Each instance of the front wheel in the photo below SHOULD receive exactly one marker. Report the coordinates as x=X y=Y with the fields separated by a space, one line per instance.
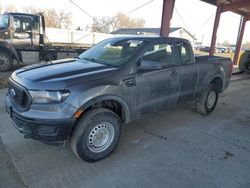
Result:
x=208 y=101
x=6 y=62
x=96 y=134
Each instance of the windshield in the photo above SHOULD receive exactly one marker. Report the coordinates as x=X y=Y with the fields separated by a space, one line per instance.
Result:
x=113 y=52
x=4 y=20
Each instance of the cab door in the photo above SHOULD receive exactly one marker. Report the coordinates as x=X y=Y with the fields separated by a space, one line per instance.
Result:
x=158 y=88
x=22 y=28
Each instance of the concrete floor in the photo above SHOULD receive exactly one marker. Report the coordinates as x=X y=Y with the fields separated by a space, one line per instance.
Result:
x=9 y=176
x=177 y=148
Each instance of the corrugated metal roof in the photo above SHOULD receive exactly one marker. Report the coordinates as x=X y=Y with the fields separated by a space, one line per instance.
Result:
x=241 y=7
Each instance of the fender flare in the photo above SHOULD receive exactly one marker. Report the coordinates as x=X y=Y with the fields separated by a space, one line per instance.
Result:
x=8 y=48
x=119 y=100
x=211 y=79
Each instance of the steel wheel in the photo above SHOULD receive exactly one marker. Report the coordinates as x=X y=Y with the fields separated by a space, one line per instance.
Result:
x=208 y=101
x=100 y=137
x=211 y=99
x=96 y=134
x=5 y=62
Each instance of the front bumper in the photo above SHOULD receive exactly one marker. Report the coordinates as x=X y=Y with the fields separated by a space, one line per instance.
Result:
x=47 y=130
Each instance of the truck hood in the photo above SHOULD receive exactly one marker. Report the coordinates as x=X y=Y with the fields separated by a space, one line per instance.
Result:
x=61 y=73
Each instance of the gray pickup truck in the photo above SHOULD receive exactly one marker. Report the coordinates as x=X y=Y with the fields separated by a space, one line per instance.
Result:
x=86 y=100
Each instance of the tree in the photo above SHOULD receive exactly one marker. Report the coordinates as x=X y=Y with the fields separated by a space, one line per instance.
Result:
x=53 y=18
x=56 y=19
x=120 y=20
x=32 y=10
x=103 y=25
x=246 y=45
x=65 y=19
x=10 y=8
x=225 y=43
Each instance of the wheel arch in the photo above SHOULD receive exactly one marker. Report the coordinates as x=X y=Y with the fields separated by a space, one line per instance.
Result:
x=111 y=102
x=217 y=80
x=10 y=50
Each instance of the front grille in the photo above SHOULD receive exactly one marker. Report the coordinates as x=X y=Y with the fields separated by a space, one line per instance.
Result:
x=18 y=95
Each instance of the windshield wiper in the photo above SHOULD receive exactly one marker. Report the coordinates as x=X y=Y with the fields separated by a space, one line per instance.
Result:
x=91 y=59
x=94 y=60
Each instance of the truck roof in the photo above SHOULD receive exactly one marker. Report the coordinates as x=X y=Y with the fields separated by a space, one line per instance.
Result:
x=150 y=37
x=19 y=13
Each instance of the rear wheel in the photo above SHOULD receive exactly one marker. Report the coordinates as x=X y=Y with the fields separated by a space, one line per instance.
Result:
x=6 y=62
x=208 y=102
x=96 y=134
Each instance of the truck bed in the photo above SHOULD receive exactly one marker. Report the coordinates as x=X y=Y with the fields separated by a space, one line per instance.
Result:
x=225 y=65
x=207 y=59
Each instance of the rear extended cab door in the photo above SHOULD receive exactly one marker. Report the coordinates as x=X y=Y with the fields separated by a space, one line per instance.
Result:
x=188 y=72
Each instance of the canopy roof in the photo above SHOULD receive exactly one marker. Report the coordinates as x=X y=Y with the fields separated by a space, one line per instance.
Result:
x=241 y=7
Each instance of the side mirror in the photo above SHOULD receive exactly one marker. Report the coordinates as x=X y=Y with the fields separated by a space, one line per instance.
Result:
x=147 y=65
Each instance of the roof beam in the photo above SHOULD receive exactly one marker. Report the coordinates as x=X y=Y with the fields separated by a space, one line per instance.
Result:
x=167 y=13
x=239 y=40
x=236 y=5
x=216 y=25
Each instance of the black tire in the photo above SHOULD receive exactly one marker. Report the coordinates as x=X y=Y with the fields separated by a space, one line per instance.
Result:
x=50 y=57
x=245 y=67
x=83 y=132
x=205 y=106
x=6 y=62
x=244 y=62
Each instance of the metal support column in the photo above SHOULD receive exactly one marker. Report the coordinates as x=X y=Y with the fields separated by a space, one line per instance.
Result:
x=239 y=40
x=167 y=12
x=216 y=25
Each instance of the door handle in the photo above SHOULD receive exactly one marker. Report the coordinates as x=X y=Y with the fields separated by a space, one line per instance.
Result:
x=130 y=82
x=174 y=73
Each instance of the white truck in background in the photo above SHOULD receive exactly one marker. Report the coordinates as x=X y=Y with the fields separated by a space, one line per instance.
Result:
x=23 y=38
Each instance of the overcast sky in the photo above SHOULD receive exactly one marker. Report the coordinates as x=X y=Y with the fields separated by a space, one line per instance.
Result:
x=193 y=15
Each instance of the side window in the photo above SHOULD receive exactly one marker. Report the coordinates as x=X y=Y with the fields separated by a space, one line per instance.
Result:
x=162 y=53
x=36 y=24
x=22 y=24
x=184 y=51
x=22 y=27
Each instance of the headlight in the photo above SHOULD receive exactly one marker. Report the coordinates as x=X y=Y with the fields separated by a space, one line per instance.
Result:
x=45 y=97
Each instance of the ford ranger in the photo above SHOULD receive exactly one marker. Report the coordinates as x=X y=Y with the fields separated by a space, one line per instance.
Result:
x=86 y=100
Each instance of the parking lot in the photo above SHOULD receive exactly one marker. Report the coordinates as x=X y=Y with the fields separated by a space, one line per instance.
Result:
x=177 y=148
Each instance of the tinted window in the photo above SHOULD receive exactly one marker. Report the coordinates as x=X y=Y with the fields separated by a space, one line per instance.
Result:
x=113 y=51
x=162 y=53
x=22 y=24
x=36 y=24
x=184 y=51
x=4 y=21
x=36 y=31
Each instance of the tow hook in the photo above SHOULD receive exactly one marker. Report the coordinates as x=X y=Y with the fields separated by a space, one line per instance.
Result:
x=27 y=136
